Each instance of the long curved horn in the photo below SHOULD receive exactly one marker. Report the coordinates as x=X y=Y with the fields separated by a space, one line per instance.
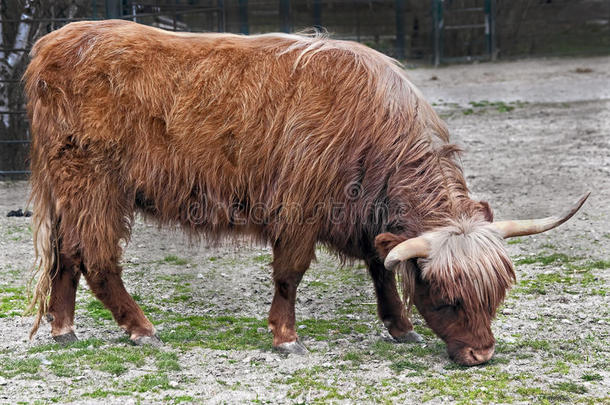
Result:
x=414 y=247
x=509 y=229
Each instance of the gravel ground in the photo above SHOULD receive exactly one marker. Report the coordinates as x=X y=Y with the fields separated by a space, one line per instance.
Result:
x=536 y=135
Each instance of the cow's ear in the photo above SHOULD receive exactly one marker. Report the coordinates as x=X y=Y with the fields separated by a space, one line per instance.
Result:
x=488 y=214
x=385 y=242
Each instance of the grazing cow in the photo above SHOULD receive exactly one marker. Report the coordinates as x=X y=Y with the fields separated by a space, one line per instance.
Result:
x=293 y=140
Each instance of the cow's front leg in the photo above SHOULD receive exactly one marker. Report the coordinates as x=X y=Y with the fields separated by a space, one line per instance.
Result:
x=390 y=307
x=288 y=271
x=63 y=298
x=108 y=288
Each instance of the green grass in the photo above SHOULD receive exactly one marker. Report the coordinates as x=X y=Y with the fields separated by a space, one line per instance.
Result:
x=148 y=383
x=175 y=260
x=480 y=107
x=102 y=393
x=112 y=360
x=13 y=301
x=515 y=241
x=12 y=367
x=355 y=357
x=167 y=361
x=570 y=387
x=592 y=377
x=561 y=367
x=70 y=360
x=545 y=260
x=263 y=258
x=19 y=232
x=96 y=310
x=308 y=380
x=219 y=333
x=464 y=387
x=323 y=329
x=573 y=271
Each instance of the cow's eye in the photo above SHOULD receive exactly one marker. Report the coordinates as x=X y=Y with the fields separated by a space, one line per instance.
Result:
x=447 y=307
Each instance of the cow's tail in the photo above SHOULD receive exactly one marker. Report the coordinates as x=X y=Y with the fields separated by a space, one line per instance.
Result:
x=45 y=101
x=44 y=226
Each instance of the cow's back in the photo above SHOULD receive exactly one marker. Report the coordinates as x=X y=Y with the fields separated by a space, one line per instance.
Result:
x=226 y=120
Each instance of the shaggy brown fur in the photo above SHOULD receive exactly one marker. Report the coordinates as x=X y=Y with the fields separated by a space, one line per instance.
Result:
x=290 y=139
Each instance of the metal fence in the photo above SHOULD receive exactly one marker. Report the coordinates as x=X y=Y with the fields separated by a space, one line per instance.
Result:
x=435 y=31
x=22 y=22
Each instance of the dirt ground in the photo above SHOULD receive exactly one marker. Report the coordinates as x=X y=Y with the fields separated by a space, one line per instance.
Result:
x=536 y=135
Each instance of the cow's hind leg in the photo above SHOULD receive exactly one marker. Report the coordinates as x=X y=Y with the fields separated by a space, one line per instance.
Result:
x=288 y=269
x=95 y=213
x=108 y=287
x=63 y=297
x=390 y=307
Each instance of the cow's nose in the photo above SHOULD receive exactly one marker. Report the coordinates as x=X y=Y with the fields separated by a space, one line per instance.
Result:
x=479 y=356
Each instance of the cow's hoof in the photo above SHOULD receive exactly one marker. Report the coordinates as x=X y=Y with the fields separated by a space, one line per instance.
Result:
x=147 y=341
x=295 y=347
x=65 y=338
x=411 y=337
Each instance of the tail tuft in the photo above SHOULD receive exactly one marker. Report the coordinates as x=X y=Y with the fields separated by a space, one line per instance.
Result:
x=44 y=225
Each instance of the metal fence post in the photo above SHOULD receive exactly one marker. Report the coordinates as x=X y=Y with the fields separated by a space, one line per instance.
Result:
x=243 y=17
x=490 y=27
x=221 y=16
x=114 y=9
x=400 y=29
x=437 y=17
x=317 y=14
x=285 y=16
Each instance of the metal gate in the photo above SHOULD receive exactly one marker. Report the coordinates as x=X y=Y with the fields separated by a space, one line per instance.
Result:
x=24 y=21
x=470 y=24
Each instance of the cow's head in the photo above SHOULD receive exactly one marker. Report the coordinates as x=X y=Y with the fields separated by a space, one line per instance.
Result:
x=458 y=275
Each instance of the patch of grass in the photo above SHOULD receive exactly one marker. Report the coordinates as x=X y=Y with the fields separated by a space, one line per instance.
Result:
x=592 y=377
x=148 y=383
x=316 y=283
x=503 y=107
x=13 y=301
x=464 y=387
x=467 y=111
x=178 y=399
x=167 y=361
x=391 y=351
x=599 y=265
x=79 y=344
x=113 y=360
x=482 y=103
x=545 y=260
x=405 y=364
x=219 y=333
x=264 y=258
x=571 y=387
x=12 y=367
x=323 y=329
x=101 y=393
x=540 y=283
x=307 y=380
x=97 y=311
x=515 y=241
x=561 y=368
x=18 y=232
x=175 y=260
x=70 y=360
x=355 y=357
x=500 y=106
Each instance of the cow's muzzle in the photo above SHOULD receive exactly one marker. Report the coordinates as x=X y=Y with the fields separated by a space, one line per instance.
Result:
x=468 y=356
